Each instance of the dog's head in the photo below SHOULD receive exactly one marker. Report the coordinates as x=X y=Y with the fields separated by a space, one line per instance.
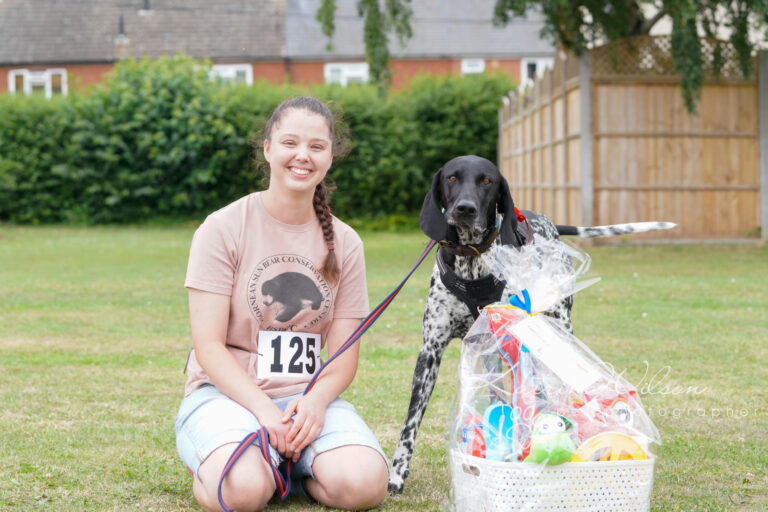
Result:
x=465 y=197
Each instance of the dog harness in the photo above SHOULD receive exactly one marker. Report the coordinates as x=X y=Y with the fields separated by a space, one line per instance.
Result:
x=475 y=293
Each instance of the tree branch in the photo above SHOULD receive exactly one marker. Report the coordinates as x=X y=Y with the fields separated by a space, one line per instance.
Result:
x=647 y=25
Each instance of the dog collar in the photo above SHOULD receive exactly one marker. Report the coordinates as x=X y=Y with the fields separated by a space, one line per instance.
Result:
x=469 y=249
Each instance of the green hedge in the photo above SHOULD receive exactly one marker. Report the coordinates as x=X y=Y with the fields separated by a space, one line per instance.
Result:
x=159 y=139
x=32 y=184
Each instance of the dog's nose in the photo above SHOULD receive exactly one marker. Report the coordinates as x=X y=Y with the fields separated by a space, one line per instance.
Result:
x=466 y=208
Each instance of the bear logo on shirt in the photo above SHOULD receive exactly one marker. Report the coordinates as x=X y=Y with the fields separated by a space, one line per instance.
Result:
x=287 y=293
x=290 y=292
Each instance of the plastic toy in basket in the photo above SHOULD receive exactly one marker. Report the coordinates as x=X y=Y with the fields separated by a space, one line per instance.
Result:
x=472 y=436
x=560 y=428
x=551 y=442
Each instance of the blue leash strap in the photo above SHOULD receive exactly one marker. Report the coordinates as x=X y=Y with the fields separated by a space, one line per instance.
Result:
x=283 y=482
x=372 y=317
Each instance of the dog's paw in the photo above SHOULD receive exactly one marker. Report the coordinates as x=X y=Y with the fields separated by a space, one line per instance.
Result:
x=394 y=488
x=396 y=480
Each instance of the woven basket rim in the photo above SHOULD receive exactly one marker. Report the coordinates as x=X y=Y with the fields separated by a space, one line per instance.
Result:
x=527 y=466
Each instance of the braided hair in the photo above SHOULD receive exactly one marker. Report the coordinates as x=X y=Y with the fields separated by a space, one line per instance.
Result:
x=340 y=146
x=330 y=269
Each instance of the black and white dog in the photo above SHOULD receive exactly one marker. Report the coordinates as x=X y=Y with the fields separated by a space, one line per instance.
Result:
x=460 y=211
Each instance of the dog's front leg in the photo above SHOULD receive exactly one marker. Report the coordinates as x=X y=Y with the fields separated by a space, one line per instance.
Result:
x=437 y=329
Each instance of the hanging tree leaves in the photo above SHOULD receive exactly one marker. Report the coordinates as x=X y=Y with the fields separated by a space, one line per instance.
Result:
x=378 y=23
x=580 y=25
x=577 y=25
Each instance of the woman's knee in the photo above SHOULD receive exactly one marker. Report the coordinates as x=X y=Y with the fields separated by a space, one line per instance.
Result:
x=243 y=491
x=247 y=487
x=368 y=489
x=357 y=482
x=355 y=491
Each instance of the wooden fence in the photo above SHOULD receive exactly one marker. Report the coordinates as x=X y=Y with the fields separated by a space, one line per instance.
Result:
x=606 y=139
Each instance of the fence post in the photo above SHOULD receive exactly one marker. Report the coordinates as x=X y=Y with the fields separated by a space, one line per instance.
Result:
x=587 y=178
x=499 y=145
x=762 y=94
x=566 y=161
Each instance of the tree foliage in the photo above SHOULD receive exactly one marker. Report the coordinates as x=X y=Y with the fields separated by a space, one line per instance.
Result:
x=579 y=25
x=395 y=19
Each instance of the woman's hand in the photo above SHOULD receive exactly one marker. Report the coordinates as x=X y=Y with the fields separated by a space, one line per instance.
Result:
x=307 y=422
x=278 y=429
x=308 y=411
x=209 y=316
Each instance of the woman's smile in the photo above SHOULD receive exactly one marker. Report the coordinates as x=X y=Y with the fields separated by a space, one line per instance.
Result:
x=299 y=171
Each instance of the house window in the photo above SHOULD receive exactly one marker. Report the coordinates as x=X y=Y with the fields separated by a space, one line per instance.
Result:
x=472 y=66
x=236 y=73
x=531 y=68
x=46 y=83
x=345 y=73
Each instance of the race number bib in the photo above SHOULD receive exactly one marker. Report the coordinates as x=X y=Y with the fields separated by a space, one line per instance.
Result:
x=288 y=354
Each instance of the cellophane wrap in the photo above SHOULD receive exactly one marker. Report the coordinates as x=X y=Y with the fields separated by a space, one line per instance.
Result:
x=534 y=402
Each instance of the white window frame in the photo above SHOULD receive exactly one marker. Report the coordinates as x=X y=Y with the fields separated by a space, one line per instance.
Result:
x=32 y=78
x=348 y=71
x=542 y=63
x=229 y=72
x=472 y=66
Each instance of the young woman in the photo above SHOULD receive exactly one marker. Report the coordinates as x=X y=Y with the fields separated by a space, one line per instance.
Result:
x=272 y=278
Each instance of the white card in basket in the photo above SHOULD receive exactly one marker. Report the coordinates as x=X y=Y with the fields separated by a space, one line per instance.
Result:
x=549 y=346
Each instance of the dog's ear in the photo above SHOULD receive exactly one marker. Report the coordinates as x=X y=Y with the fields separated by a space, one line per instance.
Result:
x=506 y=207
x=431 y=219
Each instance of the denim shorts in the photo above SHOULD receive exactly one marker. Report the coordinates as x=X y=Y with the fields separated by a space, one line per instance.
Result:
x=209 y=419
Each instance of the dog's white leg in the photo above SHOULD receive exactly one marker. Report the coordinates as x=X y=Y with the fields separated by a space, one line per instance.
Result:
x=438 y=330
x=424 y=378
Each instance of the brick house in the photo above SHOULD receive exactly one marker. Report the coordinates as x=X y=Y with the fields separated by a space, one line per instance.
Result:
x=51 y=46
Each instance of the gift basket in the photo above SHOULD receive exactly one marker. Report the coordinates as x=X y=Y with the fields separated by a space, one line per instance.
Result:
x=540 y=422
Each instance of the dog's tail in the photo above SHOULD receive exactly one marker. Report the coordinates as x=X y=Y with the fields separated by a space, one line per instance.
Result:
x=613 y=229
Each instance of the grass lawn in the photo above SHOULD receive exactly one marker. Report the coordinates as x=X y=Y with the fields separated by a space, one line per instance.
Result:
x=94 y=334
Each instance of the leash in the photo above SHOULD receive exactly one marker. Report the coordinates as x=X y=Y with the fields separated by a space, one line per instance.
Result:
x=283 y=481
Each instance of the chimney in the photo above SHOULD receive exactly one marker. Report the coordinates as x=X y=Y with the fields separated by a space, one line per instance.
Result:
x=146 y=10
x=122 y=43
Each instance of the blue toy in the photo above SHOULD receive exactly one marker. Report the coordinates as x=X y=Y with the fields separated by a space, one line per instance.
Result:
x=498 y=429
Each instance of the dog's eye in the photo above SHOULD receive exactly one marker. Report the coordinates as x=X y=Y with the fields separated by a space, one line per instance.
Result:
x=486 y=181
x=452 y=179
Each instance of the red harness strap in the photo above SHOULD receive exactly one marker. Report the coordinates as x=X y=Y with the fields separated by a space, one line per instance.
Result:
x=521 y=218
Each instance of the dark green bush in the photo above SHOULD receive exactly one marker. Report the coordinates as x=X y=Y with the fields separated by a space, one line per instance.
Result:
x=401 y=141
x=33 y=186
x=160 y=140
x=153 y=142
x=456 y=116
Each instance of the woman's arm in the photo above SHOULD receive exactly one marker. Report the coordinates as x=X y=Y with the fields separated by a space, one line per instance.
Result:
x=209 y=317
x=335 y=378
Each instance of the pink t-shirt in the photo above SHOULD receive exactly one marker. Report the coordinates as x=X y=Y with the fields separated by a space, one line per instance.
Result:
x=270 y=271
